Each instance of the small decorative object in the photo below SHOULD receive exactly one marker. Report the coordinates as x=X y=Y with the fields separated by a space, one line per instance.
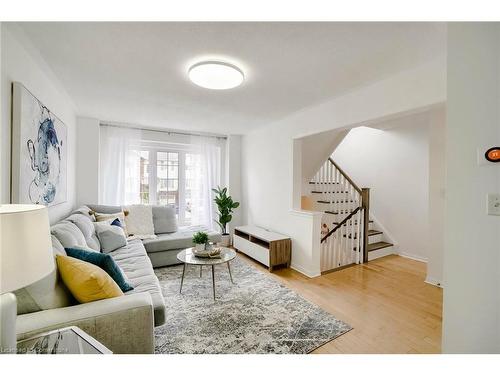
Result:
x=324 y=230
x=200 y=240
x=39 y=151
x=226 y=206
x=212 y=253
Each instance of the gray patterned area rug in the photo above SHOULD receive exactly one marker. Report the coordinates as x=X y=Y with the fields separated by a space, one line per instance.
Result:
x=255 y=315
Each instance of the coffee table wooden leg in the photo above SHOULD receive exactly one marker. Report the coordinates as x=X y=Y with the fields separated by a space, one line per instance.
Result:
x=182 y=279
x=230 y=274
x=201 y=269
x=213 y=279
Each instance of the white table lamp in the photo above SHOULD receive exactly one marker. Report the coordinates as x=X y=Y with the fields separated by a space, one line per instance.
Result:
x=25 y=257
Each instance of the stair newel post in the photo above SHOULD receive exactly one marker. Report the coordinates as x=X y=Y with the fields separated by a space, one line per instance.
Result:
x=365 y=202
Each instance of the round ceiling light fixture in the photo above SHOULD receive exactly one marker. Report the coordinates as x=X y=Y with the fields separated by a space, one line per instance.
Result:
x=216 y=75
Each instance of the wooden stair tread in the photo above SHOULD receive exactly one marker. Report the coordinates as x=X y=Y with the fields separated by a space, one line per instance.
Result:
x=378 y=245
x=328 y=192
x=331 y=202
x=342 y=212
x=323 y=183
x=371 y=232
x=336 y=222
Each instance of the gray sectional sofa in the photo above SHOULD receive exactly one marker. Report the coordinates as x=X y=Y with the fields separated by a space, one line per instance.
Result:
x=163 y=249
x=123 y=324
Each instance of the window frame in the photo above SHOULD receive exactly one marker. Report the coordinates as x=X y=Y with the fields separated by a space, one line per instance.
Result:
x=153 y=148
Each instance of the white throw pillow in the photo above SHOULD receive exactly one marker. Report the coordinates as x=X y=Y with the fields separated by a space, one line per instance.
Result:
x=139 y=221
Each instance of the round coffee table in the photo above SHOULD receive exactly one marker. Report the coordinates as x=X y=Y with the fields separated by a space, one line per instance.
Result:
x=187 y=257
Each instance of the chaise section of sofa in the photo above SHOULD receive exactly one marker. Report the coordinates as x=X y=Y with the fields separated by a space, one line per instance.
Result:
x=163 y=249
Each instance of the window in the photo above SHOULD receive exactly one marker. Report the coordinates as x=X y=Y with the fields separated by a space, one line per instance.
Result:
x=144 y=173
x=167 y=177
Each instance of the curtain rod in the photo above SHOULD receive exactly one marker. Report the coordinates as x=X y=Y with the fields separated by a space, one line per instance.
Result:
x=164 y=131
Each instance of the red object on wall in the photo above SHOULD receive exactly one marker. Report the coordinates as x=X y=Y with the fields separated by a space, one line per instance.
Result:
x=493 y=154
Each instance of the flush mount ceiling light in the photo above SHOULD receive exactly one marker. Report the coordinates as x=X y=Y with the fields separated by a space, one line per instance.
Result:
x=216 y=75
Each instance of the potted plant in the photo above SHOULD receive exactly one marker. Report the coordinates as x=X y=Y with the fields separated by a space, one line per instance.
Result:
x=200 y=239
x=225 y=206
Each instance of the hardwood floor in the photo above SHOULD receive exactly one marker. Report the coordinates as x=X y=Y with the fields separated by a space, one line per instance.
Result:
x=386 y=301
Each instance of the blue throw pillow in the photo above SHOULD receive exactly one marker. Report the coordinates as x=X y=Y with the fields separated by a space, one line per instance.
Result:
x=117 y=222
x=104 y=261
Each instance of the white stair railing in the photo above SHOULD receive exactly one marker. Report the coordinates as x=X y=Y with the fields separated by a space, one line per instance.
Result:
x=343 y=201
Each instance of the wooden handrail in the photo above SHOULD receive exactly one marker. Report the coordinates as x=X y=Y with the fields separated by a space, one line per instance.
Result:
x=365 y=202
x=345 y=176
x=340 y=224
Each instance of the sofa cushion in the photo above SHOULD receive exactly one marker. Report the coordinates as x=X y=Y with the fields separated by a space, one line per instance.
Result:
x=104 y=261
x=68 y=234
x=181 y=239
x=86 y=226
x=57 y=247
x=137 y=267
x=105 y=209
x=110 y=236
x=102 y=217
x=87 y=282
x=164 y=219
x=47 y=293
x=85 y=211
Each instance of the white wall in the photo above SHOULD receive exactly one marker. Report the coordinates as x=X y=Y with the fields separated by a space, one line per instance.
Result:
x=437 y=192
x=21 y=62
x=317 y=148
x=394 y=164
x=233 y=176
x=87 y=161
x=267 y=157
x=471 y=320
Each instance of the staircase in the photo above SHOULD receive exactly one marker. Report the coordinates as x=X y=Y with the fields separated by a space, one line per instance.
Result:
x=348 y=235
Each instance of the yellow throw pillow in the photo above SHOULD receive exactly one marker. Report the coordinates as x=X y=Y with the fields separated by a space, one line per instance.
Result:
x=86 y=281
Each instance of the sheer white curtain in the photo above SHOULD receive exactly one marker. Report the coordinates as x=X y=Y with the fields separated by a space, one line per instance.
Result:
x=206 y=175
x=119 y=177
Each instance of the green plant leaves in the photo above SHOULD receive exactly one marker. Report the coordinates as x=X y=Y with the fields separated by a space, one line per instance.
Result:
x=200 y=238
x=225 y=205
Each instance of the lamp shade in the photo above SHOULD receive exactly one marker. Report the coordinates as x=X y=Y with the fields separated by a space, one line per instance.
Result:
x=25 y=245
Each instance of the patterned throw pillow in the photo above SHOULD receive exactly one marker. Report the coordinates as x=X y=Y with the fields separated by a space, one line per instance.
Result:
x=111 y=237
x=86 y=281
x=105 y=262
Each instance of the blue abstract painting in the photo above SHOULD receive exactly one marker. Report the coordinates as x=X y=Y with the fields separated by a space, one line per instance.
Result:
x=39 y=156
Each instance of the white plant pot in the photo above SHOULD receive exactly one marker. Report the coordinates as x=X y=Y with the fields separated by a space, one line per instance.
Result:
x=226 y=240
x=199 y=246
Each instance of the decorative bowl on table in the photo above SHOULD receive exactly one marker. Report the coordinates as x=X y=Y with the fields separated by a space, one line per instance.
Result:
x=208 y=253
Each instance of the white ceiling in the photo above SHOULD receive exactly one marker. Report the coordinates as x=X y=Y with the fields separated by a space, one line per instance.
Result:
x=136 y=72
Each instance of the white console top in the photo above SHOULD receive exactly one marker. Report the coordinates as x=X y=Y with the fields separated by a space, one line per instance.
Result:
x=261 y=233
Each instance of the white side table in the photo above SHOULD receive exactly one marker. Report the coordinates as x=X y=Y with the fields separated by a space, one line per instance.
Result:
x=69 y=340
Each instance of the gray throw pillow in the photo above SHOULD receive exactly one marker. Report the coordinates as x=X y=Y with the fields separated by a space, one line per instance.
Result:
x=164 y=219
x=110 y=236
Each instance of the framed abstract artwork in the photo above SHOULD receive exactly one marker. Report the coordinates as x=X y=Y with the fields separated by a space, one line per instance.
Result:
x=39 y=151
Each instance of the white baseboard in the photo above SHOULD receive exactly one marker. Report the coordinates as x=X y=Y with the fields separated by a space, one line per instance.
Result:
x=432 y=281
x=304 y=271
x=411 y=256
